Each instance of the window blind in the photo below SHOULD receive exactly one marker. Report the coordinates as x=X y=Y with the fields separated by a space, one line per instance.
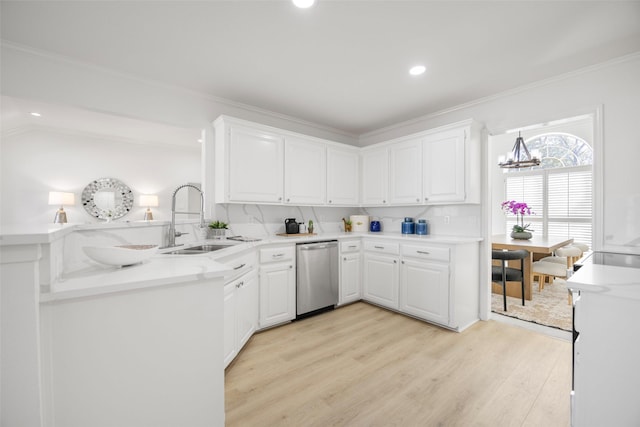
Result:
x=562 y=200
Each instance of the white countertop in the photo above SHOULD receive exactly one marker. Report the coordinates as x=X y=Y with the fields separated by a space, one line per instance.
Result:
x=621 y=282
x=165 y=269
x=160 y=270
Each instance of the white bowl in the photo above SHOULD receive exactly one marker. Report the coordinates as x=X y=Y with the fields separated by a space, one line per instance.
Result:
x=120 y=255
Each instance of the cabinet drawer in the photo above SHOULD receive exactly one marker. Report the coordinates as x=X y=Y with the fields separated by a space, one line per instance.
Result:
x=426 y=252
x=241 y=263
x=382 y=247
x=351 y=246
x=285 y=253
x=234 y=260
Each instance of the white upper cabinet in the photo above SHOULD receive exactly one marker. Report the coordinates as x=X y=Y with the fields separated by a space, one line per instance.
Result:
x=261 y=164
x=305 y=172
x=451 y=165
x=444 y=167
x=405 y=173
x=375 y=177
x=343 y=176
x=249 y=164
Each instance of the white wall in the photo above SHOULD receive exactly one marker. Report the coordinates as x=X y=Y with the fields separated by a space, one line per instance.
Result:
x=41 y=160
x=616 y=87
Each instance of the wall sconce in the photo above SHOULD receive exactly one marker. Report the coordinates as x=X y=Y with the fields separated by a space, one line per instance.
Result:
x=58 y=198
x=150 y=201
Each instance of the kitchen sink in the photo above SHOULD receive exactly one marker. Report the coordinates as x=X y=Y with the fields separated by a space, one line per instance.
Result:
x=195 y=250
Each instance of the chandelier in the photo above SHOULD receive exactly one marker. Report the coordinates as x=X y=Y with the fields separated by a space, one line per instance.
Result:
x=519 y=157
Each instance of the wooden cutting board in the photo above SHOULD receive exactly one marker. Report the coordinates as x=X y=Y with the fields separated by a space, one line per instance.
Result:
x=296 y=234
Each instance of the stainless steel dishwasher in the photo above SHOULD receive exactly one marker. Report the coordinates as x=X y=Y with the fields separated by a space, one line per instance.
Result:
x=317 y=277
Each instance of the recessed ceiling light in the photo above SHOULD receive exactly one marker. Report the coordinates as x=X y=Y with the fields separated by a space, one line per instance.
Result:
x=417 y=70
x=304 y=4
x=34 y=114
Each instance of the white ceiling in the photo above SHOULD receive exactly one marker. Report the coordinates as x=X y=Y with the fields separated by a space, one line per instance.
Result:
x=340 y=64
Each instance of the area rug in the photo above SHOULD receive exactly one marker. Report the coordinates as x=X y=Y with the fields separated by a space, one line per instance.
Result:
x=548 y=307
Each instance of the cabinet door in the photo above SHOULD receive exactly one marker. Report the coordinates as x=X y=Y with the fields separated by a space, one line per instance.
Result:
x=248 y=309
x=381 y=280
x=256 y=165
x=277 y=294
x=405 y=173
x=230 y=309
x=343 y=177
x=305 y=168
x=444 y=167
x=375 y=177
x=350 y=278
x=424 y=290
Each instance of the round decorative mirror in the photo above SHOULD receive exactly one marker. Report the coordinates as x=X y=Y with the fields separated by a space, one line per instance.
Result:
x=107 y=198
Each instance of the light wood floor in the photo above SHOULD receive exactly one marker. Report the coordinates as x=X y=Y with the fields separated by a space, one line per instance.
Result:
x=361 y=365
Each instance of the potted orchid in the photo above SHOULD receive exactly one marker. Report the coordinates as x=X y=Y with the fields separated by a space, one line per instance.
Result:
x=519 y=209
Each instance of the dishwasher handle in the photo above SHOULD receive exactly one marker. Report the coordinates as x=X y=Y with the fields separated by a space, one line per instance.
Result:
x=317 y=246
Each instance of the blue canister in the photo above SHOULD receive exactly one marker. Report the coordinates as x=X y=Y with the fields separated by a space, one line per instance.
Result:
x=374 y=226
x=408 y=226
x=421 y=227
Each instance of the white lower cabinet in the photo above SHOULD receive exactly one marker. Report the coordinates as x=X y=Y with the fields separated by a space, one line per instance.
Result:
x=435 y=282
x=424 y=290
x=248 y=308
x=350 y=272
x=240 y=313
x=380 y=278
x=277 y=285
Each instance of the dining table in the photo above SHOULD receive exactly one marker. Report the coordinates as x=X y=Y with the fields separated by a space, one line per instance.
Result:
x=537 y=246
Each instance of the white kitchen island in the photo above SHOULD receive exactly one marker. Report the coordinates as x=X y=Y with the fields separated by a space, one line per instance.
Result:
x=105 y=346
x=607 y=347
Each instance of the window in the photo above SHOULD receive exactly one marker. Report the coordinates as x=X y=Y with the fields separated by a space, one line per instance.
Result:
x=559 y=191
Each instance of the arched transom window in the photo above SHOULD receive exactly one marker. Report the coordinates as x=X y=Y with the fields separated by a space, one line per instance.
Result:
x=560 y=150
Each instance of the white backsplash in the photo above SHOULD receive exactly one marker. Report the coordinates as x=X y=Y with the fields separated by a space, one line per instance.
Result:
x=464 y=220
x=264 y=220
x=267 y=220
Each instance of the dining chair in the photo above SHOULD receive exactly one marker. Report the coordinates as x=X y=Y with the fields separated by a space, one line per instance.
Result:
x=502 y=274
